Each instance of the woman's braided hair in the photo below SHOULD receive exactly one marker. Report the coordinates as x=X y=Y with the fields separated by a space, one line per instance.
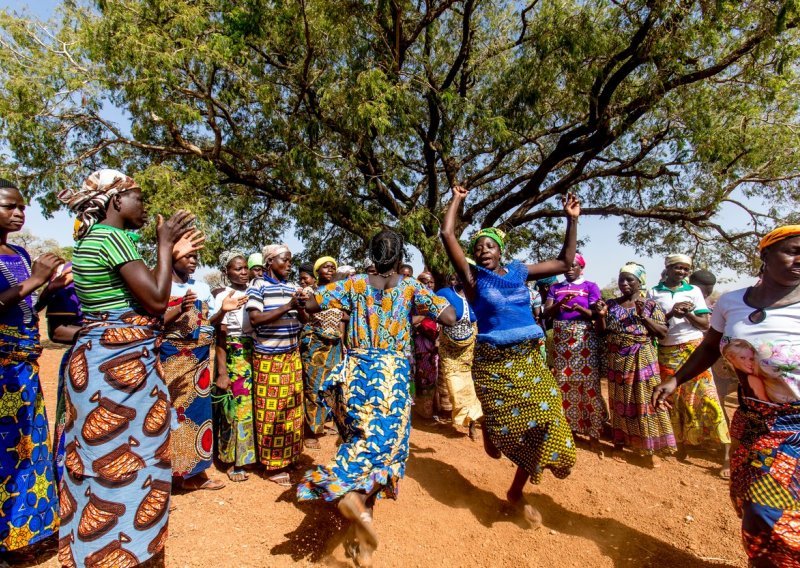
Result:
x=386 y=250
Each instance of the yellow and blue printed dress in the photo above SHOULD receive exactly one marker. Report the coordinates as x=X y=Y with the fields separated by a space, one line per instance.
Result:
x=368 y=392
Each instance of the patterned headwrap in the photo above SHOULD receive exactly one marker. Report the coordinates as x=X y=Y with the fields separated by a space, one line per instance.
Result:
x=323 y=260
x=496 y=235
x=580 y=260
x=779 y=234
x=227 y=256
x=90 y=202
x=678 y=259
x=273 y=250
x=637 y=270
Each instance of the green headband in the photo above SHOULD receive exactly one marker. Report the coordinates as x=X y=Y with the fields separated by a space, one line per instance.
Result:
x=496 y=235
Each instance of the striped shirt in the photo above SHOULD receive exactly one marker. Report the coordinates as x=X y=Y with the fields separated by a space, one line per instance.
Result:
x=95 y=266
x=266 y=294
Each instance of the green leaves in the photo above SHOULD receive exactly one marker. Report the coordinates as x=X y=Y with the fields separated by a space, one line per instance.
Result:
x=337 y=118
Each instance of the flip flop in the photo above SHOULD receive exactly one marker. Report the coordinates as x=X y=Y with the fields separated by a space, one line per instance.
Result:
x=208 y=485
x=354 y=510
x=312 y=444
x=281 y=479
x=237 y=475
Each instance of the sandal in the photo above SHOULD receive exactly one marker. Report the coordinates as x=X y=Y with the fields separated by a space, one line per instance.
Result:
x=281 y=479
x=208 y=485
x=237 y=475
x=312 y=444
x=354 y=510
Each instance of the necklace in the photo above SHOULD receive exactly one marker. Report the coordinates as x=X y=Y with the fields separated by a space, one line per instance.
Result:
x=387 y=274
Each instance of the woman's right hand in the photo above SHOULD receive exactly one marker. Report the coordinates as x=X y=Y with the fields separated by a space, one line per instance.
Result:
x=45 y=266
x=601 y=308
x=191 y=241
x=170 y=231
x=460 y=191
x=223 y=381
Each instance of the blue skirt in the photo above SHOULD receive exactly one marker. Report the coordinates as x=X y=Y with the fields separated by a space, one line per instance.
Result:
x=369 y=399
x=28 y=501
x=114 y=496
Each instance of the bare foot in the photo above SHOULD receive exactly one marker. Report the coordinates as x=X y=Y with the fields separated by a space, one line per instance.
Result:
x=529 y=514
x=725 y=472
x=353 y=509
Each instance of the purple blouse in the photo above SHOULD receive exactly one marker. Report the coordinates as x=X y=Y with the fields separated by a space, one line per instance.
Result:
x=586 y=293
x=16 y=266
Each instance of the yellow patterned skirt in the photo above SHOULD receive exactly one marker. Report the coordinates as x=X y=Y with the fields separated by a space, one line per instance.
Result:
x=278 y=403
x=455 y=371
x=696 y=413
x=522 y=405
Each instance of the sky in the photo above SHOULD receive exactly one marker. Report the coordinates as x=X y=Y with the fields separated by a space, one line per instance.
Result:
x=603 y=252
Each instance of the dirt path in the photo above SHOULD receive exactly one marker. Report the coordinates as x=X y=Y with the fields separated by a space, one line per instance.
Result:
x=451 y=513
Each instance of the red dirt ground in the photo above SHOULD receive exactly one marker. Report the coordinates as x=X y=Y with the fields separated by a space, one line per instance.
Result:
x=451 y=513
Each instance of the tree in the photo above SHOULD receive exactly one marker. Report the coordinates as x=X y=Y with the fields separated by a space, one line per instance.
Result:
x=37 y=246
x=336 y=118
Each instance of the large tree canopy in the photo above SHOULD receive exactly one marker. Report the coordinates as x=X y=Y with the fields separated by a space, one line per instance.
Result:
x=337 y=117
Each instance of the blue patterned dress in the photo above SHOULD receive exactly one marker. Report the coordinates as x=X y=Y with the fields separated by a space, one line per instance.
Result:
x=28 y=502
x=368 y=393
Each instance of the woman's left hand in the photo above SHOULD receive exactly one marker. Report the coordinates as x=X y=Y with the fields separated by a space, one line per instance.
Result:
x=188 y=301
x=572 y=205
x=60 y=281
x=661 y=394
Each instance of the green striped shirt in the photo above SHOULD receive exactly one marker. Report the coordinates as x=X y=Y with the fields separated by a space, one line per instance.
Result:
x=96 y=261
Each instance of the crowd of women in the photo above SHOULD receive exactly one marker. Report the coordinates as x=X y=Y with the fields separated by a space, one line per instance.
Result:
x=164 y=374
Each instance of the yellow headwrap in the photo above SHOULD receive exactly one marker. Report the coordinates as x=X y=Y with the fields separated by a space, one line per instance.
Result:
x=779 y=234
x=323 y=260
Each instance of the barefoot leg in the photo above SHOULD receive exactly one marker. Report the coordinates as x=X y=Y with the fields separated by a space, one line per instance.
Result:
x=725 y=472
x=488 y=446
x=529 y=514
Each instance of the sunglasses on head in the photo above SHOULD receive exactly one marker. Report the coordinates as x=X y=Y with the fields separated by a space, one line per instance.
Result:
x=757 y=316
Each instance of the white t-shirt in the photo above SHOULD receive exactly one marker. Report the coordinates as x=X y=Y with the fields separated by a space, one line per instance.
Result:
x=203 y=293
x=237 y=321
x=681 y=330
x=766 y=355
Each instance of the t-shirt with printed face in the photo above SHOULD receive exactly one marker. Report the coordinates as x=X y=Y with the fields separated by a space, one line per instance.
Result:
x=766 y=355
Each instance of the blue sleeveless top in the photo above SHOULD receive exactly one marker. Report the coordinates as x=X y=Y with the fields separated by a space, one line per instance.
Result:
x=503 y=306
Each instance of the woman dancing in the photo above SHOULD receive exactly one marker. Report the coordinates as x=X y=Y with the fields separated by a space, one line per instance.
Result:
x=523 y=414
x=369 y=392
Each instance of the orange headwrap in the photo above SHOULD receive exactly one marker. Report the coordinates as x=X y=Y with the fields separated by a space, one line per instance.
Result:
x=779 y=234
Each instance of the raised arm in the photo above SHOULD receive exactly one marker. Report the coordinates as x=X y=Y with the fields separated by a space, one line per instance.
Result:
x=151 y=289
x=451 y=245
x=559 y=265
